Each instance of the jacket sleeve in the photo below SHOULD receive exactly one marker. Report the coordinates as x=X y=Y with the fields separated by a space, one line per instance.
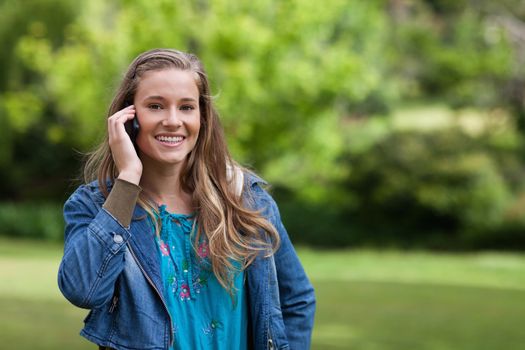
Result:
x=95 y=243
x=295 y=290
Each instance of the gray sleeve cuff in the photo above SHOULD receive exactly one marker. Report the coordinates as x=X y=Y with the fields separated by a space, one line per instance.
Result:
x=121 y=201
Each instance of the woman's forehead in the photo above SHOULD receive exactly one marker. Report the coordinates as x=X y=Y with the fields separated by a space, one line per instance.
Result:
x=168 y=83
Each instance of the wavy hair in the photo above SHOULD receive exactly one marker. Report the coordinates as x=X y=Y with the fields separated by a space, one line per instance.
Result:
x=234 y=232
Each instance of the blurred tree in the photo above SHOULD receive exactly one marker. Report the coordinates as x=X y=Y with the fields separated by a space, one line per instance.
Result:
x=286 y=72
x=31 y=161
x=307 y=95
x=443 y=183
x=467 y=52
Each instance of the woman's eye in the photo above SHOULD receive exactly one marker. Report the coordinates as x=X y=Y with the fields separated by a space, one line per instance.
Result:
x=187 y=108
x=154 y=106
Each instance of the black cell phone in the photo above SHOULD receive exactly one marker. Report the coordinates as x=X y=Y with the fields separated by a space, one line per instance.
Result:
x=132 y=128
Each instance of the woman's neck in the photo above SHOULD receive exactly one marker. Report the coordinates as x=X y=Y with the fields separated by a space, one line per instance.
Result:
x=163 y=186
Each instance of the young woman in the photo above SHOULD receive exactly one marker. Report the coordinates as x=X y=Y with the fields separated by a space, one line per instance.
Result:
x=170 y=243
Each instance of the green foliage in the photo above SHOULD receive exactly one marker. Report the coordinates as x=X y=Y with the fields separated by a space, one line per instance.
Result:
x=309 y=95
x=32 y=220
x=442 y=181
x=423 y=178
x=31 y=151
x=280 y=95
x=458 y=53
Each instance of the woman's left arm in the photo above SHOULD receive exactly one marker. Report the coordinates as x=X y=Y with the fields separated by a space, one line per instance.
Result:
x=295 y=290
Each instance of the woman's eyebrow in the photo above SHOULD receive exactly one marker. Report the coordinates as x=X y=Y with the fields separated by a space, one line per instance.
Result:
x=157 y=97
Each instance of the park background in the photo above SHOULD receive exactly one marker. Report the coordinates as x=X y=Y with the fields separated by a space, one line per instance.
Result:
x=392 y=133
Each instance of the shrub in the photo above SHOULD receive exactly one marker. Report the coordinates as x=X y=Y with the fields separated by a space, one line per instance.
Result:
x=32 y=220
x=442 y=189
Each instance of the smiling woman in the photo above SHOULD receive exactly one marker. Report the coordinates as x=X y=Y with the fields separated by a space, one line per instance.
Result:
x=167 y=106
x=170 y=243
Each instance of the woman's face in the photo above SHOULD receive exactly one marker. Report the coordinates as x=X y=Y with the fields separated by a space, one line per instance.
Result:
x=167 y=107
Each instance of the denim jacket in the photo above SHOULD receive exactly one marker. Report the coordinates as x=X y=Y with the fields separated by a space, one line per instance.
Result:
x=115 y=272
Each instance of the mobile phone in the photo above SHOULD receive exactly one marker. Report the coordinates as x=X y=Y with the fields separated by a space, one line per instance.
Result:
x=132 y=128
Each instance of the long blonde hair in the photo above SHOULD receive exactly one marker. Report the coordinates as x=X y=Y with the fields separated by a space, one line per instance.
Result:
x=234 y=232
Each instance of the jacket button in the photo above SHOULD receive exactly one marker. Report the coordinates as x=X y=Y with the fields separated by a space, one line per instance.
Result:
x=118 y=239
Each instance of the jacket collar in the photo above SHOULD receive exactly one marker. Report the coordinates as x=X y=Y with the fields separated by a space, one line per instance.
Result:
x=251 y=179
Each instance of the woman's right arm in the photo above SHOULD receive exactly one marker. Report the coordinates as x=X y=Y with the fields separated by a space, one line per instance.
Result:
x=95 y=236
x=95 y=243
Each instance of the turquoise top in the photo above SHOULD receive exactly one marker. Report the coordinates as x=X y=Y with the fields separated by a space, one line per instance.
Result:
x=204 y=315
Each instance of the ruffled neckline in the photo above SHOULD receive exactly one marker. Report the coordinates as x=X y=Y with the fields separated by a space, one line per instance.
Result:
x=163 y=212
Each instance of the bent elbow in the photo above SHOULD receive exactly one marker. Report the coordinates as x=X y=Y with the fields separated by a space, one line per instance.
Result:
x=78 y=291
x=70 y=290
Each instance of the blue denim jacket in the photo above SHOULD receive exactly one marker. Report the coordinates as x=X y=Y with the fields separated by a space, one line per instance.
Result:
x=114 y=271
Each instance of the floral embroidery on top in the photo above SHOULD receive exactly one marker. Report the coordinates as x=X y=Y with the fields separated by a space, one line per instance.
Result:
x=164 y=248
x=202 y=250
x=200 y=281
x=212 y=327
x=213 y=330
x=185 y=266
x=190 y=274
x=172 y=281
x=184 y=292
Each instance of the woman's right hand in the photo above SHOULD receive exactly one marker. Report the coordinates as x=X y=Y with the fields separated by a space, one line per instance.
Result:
x=122 y=149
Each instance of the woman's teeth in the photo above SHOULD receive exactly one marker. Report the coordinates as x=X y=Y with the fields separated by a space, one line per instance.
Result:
x=172 y=139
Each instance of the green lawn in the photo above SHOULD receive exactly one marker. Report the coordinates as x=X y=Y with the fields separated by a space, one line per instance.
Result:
x=366 y=300
x=393 y=300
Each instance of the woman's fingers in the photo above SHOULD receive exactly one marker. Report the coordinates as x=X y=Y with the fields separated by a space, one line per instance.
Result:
x=122 y=148
x=116 y=122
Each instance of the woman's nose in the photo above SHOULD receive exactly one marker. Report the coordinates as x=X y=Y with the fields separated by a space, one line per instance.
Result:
x=172 y=118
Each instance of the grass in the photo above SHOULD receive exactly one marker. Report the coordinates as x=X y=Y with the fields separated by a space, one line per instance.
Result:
x=366 y=300
x=393 y=300
x=34 y=314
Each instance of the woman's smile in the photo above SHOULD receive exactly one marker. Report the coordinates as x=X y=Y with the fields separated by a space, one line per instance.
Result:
x=170 y=140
